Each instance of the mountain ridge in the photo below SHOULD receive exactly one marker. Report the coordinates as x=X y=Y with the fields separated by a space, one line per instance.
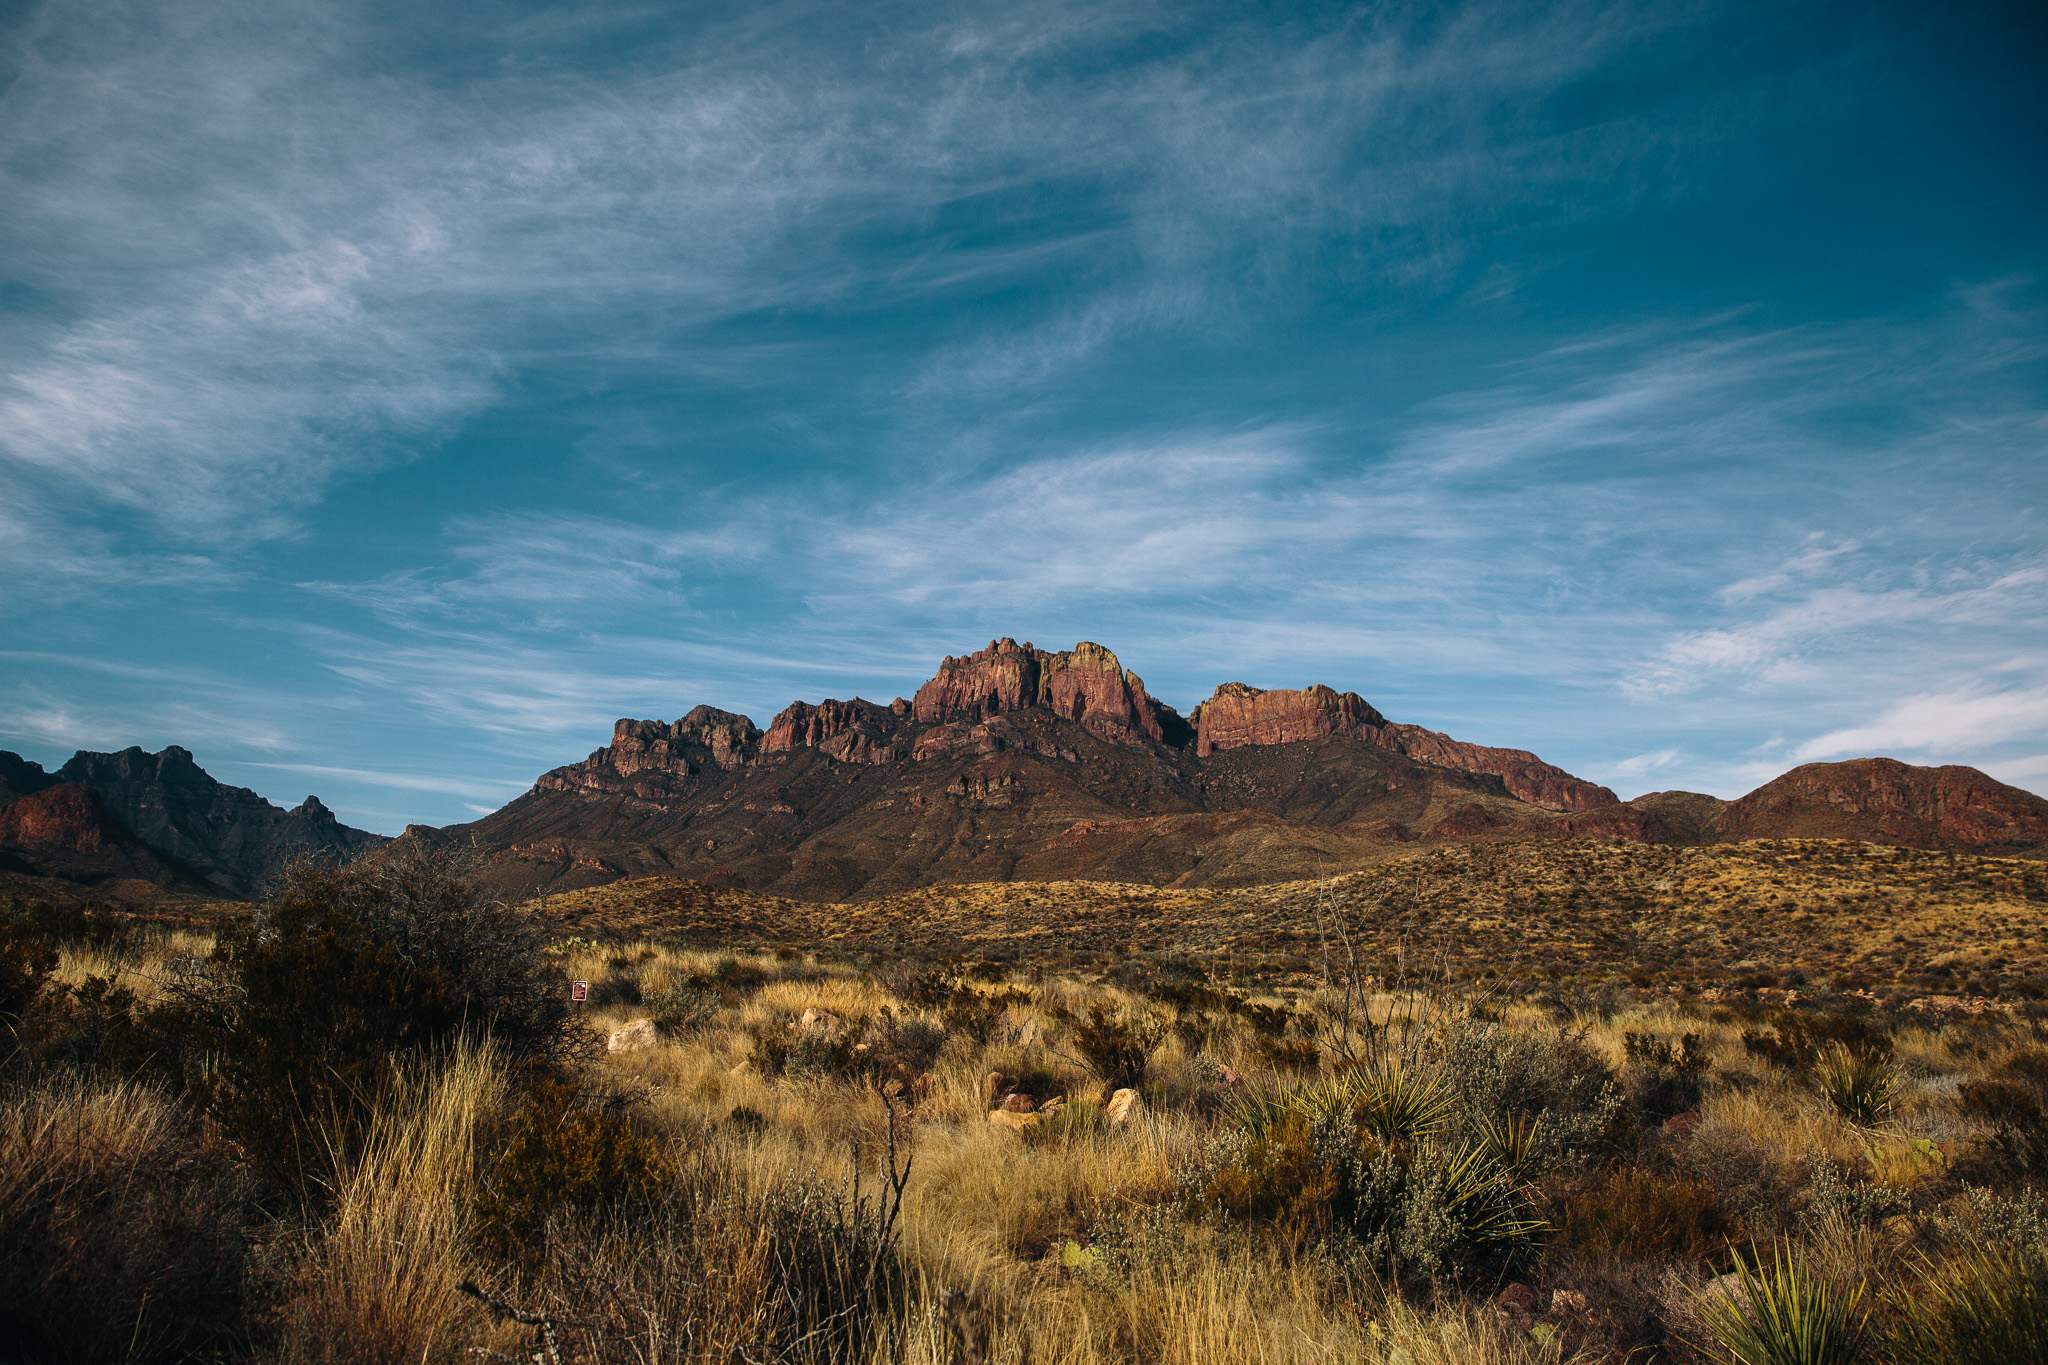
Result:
x=1015 y=762
x=161 y=818
x=1010 y=763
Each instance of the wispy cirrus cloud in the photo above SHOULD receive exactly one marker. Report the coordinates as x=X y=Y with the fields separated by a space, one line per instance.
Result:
x=1940 y=723
x=253 y=307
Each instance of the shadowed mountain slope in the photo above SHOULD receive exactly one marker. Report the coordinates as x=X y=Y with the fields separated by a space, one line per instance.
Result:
x=158 y=817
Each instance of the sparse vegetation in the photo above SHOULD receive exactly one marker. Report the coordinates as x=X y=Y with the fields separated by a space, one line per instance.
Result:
x=797 y=1161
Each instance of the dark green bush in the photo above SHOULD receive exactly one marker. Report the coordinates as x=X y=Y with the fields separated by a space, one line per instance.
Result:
x=1498 y=1074
x=1793 y=1041
x=1862 y=1086
x=349 y=968
x=1301 y=1166
x=2017 y=1114
x=681 y=1006
x=28 y=955
x=1116 y=1044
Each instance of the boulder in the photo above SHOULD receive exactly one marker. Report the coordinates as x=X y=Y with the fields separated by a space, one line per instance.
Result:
x=1124 y=1106
x=1518 y=1302
x=631 y=1037
x=816 y=1020
x=1682 y=1125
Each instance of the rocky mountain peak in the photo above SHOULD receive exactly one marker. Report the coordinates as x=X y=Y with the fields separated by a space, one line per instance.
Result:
x=1238 y=714
x=1086 y=684
x=160 y=815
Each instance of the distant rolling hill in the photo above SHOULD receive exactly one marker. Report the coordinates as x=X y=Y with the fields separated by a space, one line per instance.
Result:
x=1785 y=913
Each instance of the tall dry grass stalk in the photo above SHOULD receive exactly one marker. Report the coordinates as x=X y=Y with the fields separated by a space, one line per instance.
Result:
x=120 y=1239
x=379 y=1276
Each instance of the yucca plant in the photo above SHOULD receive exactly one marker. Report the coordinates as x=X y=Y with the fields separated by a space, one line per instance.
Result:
x=1861 y=1084
x=1785 y=1315
x=1258 y=1109
x=1512 y=1143
x=1487 y=1204
x=1989 y=1303
x=1396 y=1104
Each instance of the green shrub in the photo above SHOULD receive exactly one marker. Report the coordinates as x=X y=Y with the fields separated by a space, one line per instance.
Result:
x=1075 y=1121
x=975 y=1014
x=740 y=979
x=1839 y=1202
x=1117 y=1045
x=1501 y=1075
x=1462 y=1216
x=680 y=1006
x=1990 y=1303
x=906 y=1042
x=347 y=970
x=1302 y=1164
x=1786 y=1314
x=1862 y=1086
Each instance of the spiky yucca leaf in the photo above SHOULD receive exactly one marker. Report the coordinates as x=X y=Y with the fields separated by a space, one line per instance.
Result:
x=1862 y=1085
x=1396 y=1104
x=1485 y=1200
x=1784 y=1314
x=1511 y=1142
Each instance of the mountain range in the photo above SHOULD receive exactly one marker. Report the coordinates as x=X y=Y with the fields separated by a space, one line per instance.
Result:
x=1010 y=763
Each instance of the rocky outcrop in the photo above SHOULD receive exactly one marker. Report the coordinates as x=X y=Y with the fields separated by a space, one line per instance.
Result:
x=64 y=817
x=20 y=777
x=667 y=752
x=1527 y=777
x=1886 y=801
x=63 y=831
x=1239 y=715
x=1086 y=685
x=854 y=731
x=1015 y=762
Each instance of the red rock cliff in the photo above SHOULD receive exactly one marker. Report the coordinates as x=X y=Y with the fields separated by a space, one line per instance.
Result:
x=1085 y=684
x=854 y=731
x=1239 y=715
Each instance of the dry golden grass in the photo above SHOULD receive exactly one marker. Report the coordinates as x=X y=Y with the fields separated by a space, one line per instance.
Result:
x=377 y=1279
x=1035 y=1247
x=1789 y=912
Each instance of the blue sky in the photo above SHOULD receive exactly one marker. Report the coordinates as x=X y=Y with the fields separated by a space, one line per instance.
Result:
x=393 y=395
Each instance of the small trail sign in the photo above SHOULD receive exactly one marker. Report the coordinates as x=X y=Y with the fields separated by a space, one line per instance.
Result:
x=579 y=991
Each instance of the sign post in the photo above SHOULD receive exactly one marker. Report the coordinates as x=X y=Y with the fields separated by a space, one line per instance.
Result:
x=579 y=991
